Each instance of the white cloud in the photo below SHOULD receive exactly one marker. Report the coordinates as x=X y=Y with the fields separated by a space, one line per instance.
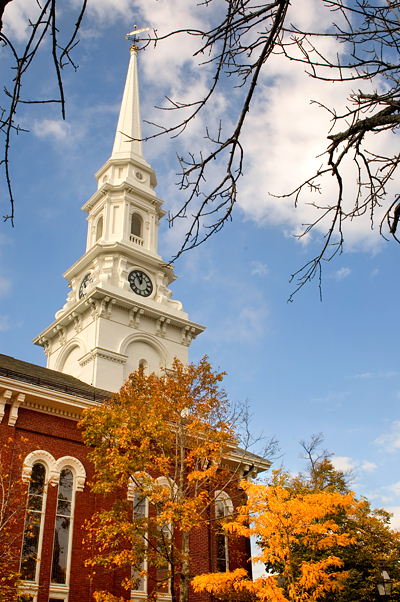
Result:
x=395 y=488
x=390 y=441
x=343 y=463
x=332 y=397
x=248 y=324
x=5 y=323
x=283 y=135
x=251 y=321
x=342 y=273
x=5 y=285
x=389 y=374
x=105 y=10
x=280 y=148
x=259 y=268
x=16 y=18
x=395 y=520
x=368 y=467
x=52 y=128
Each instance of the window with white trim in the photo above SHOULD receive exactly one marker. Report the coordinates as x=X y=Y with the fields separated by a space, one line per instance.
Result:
x=136 y=225
x=99 y=228
x=223 y=509
x=164 y=536
x=141 y=509
x=34 y=522
x=63 y=528
x=140 y=512
x=163 y=580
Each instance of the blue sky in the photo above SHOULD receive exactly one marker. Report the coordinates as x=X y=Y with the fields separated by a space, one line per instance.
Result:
x=305 y=367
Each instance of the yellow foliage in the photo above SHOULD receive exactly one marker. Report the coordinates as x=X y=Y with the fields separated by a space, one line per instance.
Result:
x=176 y=427
x=282 y=519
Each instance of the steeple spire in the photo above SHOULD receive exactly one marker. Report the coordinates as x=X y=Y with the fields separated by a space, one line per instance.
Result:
x=129 y=122
x=119 y=314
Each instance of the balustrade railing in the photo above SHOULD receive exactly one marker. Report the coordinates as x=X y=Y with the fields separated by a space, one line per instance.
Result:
x=136 y=239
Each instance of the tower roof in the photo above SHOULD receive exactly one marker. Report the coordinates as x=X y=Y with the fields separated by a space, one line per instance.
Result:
x=129 y=123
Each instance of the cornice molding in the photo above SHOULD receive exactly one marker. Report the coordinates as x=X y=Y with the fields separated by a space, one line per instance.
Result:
x=131 y=187
x=149 y=309
x=48 y=409
x=111 y=356
x=45 y=401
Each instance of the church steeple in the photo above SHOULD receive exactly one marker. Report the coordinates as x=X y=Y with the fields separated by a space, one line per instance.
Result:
x=119 y=314
x=128 y=143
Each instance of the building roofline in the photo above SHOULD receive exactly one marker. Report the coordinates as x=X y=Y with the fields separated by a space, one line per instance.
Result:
x=18 y=370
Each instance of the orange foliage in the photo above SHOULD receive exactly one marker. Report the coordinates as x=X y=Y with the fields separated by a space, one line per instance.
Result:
x=282 y=519
x=174 y=426
x=13 y=492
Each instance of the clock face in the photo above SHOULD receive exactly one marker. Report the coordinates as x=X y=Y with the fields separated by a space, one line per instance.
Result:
x=84 y=284
x=140 y=283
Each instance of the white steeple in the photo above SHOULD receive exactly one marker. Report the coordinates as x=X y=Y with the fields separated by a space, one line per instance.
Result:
x=128 y=143
x=119 y=313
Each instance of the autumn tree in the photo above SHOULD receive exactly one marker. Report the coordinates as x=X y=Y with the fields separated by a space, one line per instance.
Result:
x=317 y=540
x=375 y=546
x=281 y=518
x=12 y=511
x=166 y=443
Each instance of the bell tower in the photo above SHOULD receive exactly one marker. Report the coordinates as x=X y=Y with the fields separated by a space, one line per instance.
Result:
x=119 y=314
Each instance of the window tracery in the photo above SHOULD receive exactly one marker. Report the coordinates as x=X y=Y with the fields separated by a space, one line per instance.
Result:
x=223 y=509
x=63 y=528
x=34 y=523
x=163 y=581
x=140 y=512
x=40 y=468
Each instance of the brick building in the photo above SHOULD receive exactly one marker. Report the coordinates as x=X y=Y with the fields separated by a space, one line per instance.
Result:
x=119 y=316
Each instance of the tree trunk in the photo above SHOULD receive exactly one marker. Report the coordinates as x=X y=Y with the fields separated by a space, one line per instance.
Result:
x=185 y=569
x=185 y=566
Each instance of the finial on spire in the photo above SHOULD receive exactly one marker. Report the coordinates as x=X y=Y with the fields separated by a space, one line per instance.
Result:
x=128 y=138
x=132 y=35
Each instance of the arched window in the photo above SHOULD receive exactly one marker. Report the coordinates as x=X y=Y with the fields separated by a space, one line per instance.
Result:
x=163 y=580
x=136 y=228
x=34 y=520
x=140 y=512
x=39 y=469
x=63 y=527
x=144 y=367
x=223 y=509
x=99 y=228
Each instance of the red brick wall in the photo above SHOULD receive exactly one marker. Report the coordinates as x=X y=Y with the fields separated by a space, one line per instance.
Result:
x=61 y=437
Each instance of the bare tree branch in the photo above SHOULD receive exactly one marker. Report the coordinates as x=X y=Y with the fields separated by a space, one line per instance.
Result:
x=238 y=46
x=45 y=23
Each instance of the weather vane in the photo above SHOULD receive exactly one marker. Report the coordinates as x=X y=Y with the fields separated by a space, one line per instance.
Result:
x=132 y=35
